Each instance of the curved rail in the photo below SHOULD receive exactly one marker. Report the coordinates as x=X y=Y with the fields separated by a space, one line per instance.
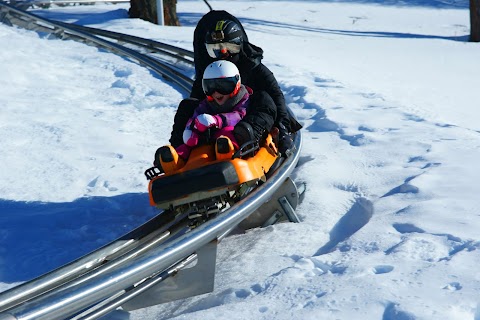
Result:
x=165 y=48
x=13 y=16
x=102 y=280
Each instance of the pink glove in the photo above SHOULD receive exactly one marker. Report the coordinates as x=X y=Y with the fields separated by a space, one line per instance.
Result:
x=204 y=121
x=190 y=138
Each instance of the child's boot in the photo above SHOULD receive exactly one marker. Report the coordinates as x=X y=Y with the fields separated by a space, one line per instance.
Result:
x=170 y=160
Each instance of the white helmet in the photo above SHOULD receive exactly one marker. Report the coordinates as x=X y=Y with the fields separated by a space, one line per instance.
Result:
x=221 y=76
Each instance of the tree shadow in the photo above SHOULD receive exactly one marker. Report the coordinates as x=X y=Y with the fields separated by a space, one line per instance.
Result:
x=82 y=17
x=352 y=33
x=37 y=237
x=191 y=19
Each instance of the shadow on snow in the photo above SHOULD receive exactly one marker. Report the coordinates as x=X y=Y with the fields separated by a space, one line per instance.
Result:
x=359 y=215
x=37 y=237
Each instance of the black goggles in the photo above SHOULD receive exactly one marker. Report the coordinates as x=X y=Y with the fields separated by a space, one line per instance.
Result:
x=220 y=85
x=219 y=50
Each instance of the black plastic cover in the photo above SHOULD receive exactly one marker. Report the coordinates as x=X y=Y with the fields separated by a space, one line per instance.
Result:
x=214 y=176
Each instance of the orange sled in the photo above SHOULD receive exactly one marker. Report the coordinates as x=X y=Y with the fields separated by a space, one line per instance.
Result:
x=207 y=185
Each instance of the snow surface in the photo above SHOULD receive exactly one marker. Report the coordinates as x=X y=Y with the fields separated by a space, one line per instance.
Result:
x=388 y=96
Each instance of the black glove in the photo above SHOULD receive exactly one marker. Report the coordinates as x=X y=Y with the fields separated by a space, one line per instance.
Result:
x=285 y=142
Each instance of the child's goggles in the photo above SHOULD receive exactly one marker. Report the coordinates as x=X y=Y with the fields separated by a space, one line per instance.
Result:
x=220 y=85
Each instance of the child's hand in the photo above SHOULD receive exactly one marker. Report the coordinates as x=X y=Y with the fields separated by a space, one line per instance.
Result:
x=205 y=121
x=190 y=138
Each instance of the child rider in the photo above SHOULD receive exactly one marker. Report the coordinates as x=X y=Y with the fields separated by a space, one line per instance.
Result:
x=225 y=105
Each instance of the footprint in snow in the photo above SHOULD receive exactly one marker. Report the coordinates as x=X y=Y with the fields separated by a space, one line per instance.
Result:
x=381 y=269
x=453 y=286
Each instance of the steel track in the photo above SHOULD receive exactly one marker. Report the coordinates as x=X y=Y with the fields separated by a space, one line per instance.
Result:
x=13 y=16
x=111 y=276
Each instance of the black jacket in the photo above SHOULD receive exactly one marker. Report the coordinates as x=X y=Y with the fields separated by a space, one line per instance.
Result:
x=253 y=73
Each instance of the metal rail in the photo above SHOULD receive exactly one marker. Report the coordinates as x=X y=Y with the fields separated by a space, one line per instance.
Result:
x=133 y=264
x=14 y=16
x=164 y=48
x=118 y=251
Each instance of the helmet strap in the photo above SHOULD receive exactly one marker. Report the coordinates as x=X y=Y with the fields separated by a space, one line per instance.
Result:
x=235 y=91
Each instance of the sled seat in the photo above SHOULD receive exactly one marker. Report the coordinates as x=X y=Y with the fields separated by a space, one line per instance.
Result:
x=203 y=176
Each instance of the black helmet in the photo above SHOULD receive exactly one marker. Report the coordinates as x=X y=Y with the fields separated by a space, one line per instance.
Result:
x=226 y=39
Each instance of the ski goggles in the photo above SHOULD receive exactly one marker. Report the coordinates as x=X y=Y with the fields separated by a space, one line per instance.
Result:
x=218 y=50
x=220 y=85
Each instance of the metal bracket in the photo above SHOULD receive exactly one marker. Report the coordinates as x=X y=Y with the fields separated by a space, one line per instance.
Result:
x=186 y=283
x=288 y=209
x=280 y=207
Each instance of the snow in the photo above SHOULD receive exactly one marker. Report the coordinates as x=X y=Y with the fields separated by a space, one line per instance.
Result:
x=388 y=96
